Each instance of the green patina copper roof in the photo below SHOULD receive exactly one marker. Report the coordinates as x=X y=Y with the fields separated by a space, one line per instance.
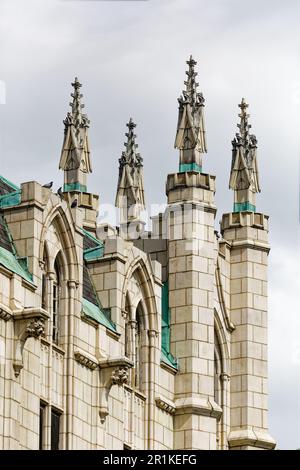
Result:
x=10 y=199
x=9 y=261
x=10 y=194
x=166 y=355
x=93 y=248
x=91 y=307
x=166 y=359
x=8 y=255
x=7 y=186
x=98 y=314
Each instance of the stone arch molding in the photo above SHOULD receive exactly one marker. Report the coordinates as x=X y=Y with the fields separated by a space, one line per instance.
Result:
x=56 y=237
x=139 y=275
x=59 y=224
x=116 y=370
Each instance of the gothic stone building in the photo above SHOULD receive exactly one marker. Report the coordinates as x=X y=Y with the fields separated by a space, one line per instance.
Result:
x=118 y=337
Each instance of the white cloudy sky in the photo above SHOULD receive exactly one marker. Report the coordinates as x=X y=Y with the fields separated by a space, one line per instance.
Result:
x=130 y=57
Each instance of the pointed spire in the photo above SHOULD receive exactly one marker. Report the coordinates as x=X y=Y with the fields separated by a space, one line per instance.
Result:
x=80 y=119
x=130 y=198
x=75 y=155
x=244 y=177
x=190 y=136
x=190 y=94
x=131 y=156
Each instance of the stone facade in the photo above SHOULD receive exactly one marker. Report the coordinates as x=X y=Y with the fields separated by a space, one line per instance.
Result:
x=115 y=337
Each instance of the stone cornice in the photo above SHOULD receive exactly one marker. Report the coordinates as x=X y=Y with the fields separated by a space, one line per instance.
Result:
x=250 y=437
x=115 y=362
x=86 y=359
x=108 y=257
x=168 y=368
x=165 y=405
x=31 y=312
x=248 y=243
x=198 y=406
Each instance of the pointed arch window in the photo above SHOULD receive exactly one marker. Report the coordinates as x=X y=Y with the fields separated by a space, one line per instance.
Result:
x=218 y=372
x=44 y=280
x=219 y=389
x=138 y=344
x=127 y=337
x=55 y=302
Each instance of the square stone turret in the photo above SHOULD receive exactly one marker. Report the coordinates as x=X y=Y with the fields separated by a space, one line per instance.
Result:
x=246 y=234
x=191 y=213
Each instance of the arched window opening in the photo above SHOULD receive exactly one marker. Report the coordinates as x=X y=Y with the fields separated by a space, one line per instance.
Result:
x=217 y=377
x=127 y=337
x=44 y=281
x=55 y=302
x=138 y=372
x=218 y=386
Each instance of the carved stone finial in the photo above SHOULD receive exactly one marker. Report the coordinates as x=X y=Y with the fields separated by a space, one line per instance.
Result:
x=130 y=198
x=75 y=155
x=190 y=136
x=131 y=156
x=244 y=177
x=76 y=84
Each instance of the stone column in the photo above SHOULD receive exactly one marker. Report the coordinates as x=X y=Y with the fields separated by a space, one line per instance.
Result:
x=72 y=285
x=191 y=280
x=247 y=235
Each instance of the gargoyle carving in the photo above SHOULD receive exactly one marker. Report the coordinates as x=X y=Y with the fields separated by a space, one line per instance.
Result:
x=35 y=328
x=120 y=376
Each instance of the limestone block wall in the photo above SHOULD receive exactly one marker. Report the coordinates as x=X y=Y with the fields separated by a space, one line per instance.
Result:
x=191 y=296
x=217 y=297
x=158 y=250
x=247 y=234
x=28 y=392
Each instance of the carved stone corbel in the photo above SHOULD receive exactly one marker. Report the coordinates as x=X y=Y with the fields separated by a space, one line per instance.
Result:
x=30 y=323
x=165 y=405
x=112 y=372
x=85 y=359
x=5 y=313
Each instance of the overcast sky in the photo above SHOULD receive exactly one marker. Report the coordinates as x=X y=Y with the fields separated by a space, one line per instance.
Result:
x=130 y=57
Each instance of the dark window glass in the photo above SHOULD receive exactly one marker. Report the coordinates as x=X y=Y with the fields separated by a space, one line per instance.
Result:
x=44 y=301
x=55 y=303
x=42 y=425
x=55 y=421
x=138 y=348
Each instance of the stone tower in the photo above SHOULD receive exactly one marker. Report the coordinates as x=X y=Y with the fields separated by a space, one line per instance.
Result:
x=191 y=277
x=245 y=235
